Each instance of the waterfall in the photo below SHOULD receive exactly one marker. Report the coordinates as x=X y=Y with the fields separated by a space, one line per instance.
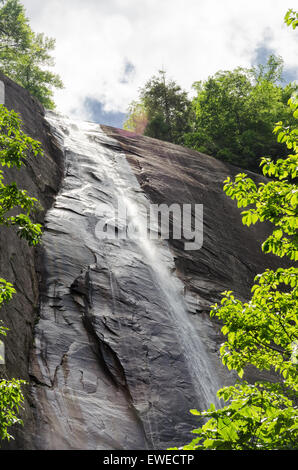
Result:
x=127 y=292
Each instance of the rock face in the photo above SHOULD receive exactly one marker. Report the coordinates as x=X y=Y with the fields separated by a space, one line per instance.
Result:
x=19 y=263
x=123 y=345
x=114 y=335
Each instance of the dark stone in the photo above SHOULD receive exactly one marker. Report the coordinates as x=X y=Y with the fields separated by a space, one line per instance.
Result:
x=110 y=367
x=19 y=263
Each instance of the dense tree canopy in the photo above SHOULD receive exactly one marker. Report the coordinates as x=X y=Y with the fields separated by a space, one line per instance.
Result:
x=291 y=18
x=236 y=111
x=137 y=118
x=231 y=117
x=15 y=32
x=24 y=55
x=165 y=107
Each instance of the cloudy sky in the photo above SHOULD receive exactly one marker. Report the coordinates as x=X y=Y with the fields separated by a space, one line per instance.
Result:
x=107 y=49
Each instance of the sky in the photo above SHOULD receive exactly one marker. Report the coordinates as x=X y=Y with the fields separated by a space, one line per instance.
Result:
x=107 y=49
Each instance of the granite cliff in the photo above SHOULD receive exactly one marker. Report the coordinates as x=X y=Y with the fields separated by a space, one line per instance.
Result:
x=113 y=335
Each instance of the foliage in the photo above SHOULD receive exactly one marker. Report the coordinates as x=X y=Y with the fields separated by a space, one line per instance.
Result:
x=291 y=18
x=6 y=292
x=263 y=331
x=166 y=107
x=11 y=400
x=258 y=417
x=15 y=148
x=15 y=31
x=235 y=112
x=24 y=55
x=11 y=396
x=272 y=71
x=137 y=118
x=231 y=117
x=275 y=201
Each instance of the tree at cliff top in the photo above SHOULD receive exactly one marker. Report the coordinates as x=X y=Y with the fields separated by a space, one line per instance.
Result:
x=137 y=118
x=263 y=331
x=24 y=55
x=235 y=112
x=231 y=117
x=166 y=108
x=15 y=146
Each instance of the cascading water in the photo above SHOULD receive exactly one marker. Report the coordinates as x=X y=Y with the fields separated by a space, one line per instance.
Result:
x=161 y=262
x=115 y=338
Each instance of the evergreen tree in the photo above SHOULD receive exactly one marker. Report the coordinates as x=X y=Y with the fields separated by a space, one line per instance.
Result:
x=24 y=55
x=167 y=108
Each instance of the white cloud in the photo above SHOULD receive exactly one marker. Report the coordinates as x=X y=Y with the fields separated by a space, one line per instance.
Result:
x=190 y=38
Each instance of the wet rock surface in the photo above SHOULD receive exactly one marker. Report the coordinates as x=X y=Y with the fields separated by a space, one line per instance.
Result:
x=19 y=264
x=110 y=367
x=231 y=254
